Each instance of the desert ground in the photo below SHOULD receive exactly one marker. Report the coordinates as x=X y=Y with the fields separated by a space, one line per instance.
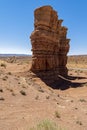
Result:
x=26 y=100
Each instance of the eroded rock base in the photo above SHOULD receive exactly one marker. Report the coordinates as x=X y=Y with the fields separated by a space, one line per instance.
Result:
x=49 y=44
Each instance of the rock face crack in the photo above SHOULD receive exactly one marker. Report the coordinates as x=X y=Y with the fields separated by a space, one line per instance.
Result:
x=49 y=43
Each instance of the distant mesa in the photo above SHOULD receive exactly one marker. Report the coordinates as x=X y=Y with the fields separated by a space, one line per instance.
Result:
x=11 y=55
x=49 y=44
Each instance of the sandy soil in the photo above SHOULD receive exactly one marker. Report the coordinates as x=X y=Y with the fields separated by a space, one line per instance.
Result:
x=26 y=100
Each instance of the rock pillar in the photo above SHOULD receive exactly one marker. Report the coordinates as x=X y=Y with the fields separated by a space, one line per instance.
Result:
x=49 y=43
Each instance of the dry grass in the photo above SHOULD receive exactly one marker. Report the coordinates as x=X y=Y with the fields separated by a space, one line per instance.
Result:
x=46 y=125
x=77 y=62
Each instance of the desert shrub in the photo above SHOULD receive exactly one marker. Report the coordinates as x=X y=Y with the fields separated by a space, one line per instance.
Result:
x=12 y=59
x=3 y=65
x=81 y=71
x=82 y=100
x=46 y=125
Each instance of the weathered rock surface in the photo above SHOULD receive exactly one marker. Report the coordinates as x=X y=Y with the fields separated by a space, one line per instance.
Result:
x=49 y=43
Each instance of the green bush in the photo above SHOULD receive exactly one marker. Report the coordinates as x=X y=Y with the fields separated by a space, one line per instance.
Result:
x=46 y=125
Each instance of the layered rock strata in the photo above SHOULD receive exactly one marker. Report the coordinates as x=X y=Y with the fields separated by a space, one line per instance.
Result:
x=49 y=43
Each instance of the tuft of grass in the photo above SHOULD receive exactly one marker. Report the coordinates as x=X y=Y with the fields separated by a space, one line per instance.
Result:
x=46 y=125
x=3 y=65
x=86 y=84
x=57 y=114
x=82 y=100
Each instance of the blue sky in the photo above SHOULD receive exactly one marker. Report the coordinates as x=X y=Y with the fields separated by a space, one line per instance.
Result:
x=17 y=19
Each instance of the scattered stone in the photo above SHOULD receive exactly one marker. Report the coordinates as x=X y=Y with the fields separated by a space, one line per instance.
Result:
x=13 y=94
x=2 y=99
x=5 y=78
x=58 y=95
x=57 y=114
x=1 y=90
x=79 y=122
x=23 y=92
x=72 y=101
x=19 y=83
x=9 y=73
x=76 y=108
x=47 y=97
x=41 y=90
x=37 y=97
